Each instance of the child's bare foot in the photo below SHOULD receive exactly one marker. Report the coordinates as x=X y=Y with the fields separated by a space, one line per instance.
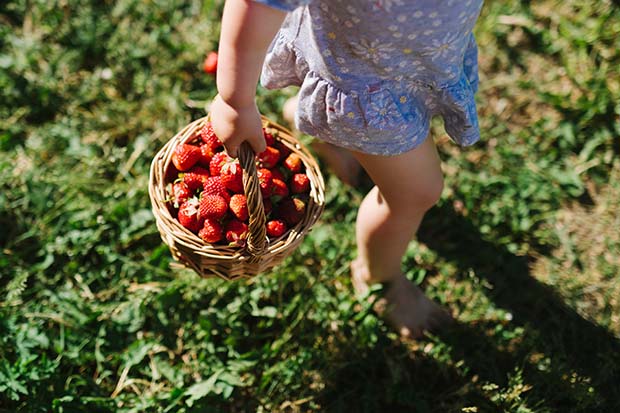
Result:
x=404 y=305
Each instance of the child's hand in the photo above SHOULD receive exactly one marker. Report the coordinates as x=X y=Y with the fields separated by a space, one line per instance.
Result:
x=234 y=125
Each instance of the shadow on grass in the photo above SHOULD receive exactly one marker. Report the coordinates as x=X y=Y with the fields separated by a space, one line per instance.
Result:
x=391 y=378
x=579 y=349
x=581 y=373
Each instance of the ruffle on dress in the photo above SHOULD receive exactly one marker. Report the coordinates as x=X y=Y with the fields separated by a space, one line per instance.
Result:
x=385 y=117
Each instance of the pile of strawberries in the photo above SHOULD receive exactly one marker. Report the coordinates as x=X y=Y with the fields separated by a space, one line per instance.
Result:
x=206 y=189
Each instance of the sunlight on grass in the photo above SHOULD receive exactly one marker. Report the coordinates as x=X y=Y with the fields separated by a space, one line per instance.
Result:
x=586 y=264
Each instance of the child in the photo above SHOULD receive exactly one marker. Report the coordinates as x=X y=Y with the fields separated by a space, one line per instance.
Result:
x=371 y=74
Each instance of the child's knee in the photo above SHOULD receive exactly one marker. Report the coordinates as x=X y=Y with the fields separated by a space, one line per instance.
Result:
x=417 y=196
x=431 y=193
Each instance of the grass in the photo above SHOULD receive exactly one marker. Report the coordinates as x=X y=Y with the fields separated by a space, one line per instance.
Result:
x=522 y=247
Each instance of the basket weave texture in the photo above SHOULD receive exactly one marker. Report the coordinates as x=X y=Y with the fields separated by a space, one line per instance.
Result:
x=260 y=253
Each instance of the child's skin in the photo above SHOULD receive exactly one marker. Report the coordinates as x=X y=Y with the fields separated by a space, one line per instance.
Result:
x=407 y=185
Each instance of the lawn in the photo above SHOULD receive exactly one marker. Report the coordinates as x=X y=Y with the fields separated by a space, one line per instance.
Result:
x=523 y=247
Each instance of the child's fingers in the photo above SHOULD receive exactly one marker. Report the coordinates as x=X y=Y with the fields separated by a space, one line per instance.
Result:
x=235 y=125
x=258 y=143
x=231 y=150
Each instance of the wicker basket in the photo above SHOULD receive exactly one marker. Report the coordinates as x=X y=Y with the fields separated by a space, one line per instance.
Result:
x=260 y=253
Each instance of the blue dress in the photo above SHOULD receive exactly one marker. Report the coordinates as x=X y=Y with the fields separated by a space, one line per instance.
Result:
x=372 y=73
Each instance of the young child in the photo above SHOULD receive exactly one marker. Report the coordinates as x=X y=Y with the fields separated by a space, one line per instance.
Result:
x=371 y=73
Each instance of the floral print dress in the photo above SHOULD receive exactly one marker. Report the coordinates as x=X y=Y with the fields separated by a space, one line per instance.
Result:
x=372 y=73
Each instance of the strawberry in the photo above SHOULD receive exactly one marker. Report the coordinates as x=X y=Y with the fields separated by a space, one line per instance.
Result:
x=269 y=138
x=212 y=206
x=285 y=151
x=269 y=157
x=239 y=206
x=276 y=228
x=218 y=160
x=172 y=174
x=185 y=156
x=300 y=184
x=236 y=232
x=293 y=163
x=214 y=186
x=210 y=63
x=291 y=210
x=208 y=138
x=267 y=205
x=171 y=209
x=206 y=154
x=211 y=231
x=188 y=215
x=265 y=180
x=276 y=173
x=195 y=178
x=232 y=176
x=279 y=188
x=180 y=193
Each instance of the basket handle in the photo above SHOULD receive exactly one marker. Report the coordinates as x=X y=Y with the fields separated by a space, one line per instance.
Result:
x=257 y=235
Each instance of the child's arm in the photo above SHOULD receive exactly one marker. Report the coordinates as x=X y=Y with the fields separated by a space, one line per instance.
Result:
x=247 y=30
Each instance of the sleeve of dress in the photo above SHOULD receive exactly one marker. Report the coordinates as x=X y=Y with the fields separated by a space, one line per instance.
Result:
x=285 y=5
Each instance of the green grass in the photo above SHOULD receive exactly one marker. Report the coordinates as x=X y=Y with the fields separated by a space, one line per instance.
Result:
x=523 y=247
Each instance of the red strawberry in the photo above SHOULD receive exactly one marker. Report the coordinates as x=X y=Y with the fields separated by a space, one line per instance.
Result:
x=185 y=156
x=265 y=180
x=293 y=163
x=300 y=184
x=214 y=186
x=285 y=151
x=269 y=157
x=236 y=232
x=269 y=139
x=195 y=178
x=208 y=137
x=171 y=209
x=210 y=63
x=218 y=160
x=171 y=174
x=188 y=215
x=213 y=206
x=232 y=176
x=180 y=193
x=277 y=174
x=206 y=154
x=239 y=206
x=291 y=210
x=279 y=188
x=276 y=228
x=211 y=231
x=267 y=205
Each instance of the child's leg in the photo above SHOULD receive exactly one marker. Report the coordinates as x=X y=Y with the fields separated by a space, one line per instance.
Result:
x=407 y=185
x=338 y=159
